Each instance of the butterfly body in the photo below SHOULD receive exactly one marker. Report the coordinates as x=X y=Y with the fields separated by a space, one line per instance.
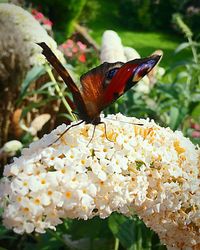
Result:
x=102 y=85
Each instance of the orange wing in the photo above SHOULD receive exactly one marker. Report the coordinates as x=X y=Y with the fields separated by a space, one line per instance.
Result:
x=94 y=83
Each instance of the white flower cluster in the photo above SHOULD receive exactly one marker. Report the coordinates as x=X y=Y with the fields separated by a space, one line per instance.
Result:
x=112 y=49
x=145 y=168
x=31 y=31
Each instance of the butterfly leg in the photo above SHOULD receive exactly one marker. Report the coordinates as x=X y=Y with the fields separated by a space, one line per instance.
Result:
x=74 y=125
x=92 y=135
x=94 y=132
x=105 y=129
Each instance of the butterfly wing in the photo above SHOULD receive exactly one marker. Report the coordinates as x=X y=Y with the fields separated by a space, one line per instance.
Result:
x=77 y=97
x=94 y=83
x=127 y=76
x=102 y=85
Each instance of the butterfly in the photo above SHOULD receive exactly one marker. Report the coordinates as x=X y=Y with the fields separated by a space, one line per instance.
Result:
x=102 y=85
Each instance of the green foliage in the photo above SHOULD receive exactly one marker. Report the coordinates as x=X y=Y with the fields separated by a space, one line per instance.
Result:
x=31 y=76
x=181 y=25
x=64 y=14
x=144 y=17
x=132 y=233
x=89 y=11
x=148 y=14
x=136 y=14
x=74 y=10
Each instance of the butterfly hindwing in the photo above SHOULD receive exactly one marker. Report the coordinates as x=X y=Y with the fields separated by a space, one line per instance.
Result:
x=126 y=77
x=94 y=83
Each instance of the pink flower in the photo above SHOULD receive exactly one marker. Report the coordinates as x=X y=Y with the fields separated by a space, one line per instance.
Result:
x=63 y=46
x=81 y=45
x=196 y=134
x=47 y=22
x=74 y=49
x=195 y=126
x=39 y=16
x=68 y=53
x=70 y=43
x=34 y=11
x=82 y=58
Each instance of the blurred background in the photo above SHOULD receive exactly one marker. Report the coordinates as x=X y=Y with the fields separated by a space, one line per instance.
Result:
x=83 y=34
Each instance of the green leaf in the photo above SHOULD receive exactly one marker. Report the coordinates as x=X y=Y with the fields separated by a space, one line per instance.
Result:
x=3 y=231
x=95 y=227
x=174 y=115
x=124 y=229
x=196 y=112
x=167 y=90
x=182 y=46
x=47 y=85
x=31 y=76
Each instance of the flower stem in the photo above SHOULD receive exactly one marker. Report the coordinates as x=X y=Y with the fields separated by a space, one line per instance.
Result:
x=116 y=244
x=194 y=53
x=48 y=69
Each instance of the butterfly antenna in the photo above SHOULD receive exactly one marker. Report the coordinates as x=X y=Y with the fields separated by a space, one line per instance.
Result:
x=105 y=129
x=137 y=124
x=73 y=125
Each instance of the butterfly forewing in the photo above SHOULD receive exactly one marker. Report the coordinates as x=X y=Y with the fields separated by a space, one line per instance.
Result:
x=77 y=97
x=127 y=76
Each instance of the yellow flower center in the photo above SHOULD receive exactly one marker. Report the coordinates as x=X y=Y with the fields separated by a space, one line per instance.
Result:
x=68 y=194
x=178 y=148
x=25 y=183
x=43 y=181
x=37 y=201
x=63 y=171
x=49 y=192
x=19 y=199
x=26 y=209
x=83 y=161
